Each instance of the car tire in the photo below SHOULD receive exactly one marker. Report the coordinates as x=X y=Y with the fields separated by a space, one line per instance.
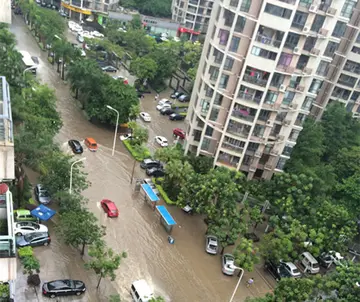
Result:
x=78 y=293
x=52 y=296
x=46 y=243
x=18 y=234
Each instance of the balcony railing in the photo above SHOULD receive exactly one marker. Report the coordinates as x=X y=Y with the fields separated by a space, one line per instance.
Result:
x=232 y=147
x=238 y=131
x=239 y=114
x=268 y=41
x=255 y=80
x=228 y=162
x=7 y=248
x=249 y=97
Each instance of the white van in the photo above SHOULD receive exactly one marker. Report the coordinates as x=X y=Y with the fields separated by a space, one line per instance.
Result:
x=141 y=291
x=310 y=263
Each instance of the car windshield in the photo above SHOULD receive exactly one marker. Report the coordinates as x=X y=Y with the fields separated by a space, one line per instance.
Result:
x=315 y=265
x=43 y=194
x=296 y=271
x=212 y=246
x=113 y=211
x=59 y=284
x=29 y=237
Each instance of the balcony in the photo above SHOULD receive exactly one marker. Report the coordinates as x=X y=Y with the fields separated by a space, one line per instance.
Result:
x=268 y=40
x=255 y=80
x=229 y=146
x=228 y=160
x=288 y=1
x=244 y=113
x=238 y=129
x=249 y=97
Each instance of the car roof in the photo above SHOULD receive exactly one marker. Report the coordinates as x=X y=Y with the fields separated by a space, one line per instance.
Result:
x=179 y=129
x=23 y=212
x=91 y=140
x=291 y=265
x=143 y=288
x=110 y=203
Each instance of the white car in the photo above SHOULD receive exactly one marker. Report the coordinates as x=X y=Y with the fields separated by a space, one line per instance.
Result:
x=97 y=34
x=145 y=116
x=27 y=227
x=162 y=141
x=291 y=269
x=164 y=101
x=163 y=106
x=228 y=264
x=212 y=245
x=125 y=136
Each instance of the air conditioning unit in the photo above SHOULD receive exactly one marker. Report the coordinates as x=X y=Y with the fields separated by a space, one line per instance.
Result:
x=296 y=50
x=270 y=123
x=282 y=88
x=306 y=29
x=313 y=8
x=293 y=106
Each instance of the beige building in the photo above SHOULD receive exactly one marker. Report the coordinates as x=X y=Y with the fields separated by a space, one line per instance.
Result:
x=80 y=9
x=266 y=65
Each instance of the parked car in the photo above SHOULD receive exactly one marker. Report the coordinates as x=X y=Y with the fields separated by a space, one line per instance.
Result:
x=155 y=172
x=211 y=245
x=176 y=117
x=163 y=106
x=179 y=133
x=41 y=194
x=278 y=271
x=75 y=146
x=110 y=208
x=151 y=184
x=164 y=101
x=63 y=288
x=145 y=116
x=228 y=266
x=167 y=111
x=33 y=239
x=184 y=98
x=176 y=94
x=162 y=141
x=91 y=144
x=187 y=209
x=252 y=236
x=332 y=257
x=125 y=136
x=28 y=227
x=291 y=269
x=109 y=68
x=24 y=215
x=149 y=163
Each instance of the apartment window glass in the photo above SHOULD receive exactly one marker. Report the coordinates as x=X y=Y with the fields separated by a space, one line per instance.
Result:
x=346 y=80
x=355 y=96
x=318 y=23
x=348 y=8
x=341 y=93
x=292 y=40
x=356 y=50
x=271 y=97
x=277 y=11
x=322 y=68
x=281 y=163
x=350 y=106
x=234 y=44
x=285 y=59
x=229 y=62
x=234 y=3
x=245 y=6
x=223 y=81
x=214 y=73
x=218 y=56
x=306 y=105
x=277 y=79
x=299 y=20
x=302 y=62
x=306 y=3
x=358 y=39
x=209 y=131
x=214 y=114
x=300 y=119
x=208 y=91
x=223 y=36
x=240 y=24
x=205 y=144
x=309 y=43
x=315 y=86
x=228 y=17
x=288 y=98
x=218 y=99
x=204 y=105
x=287 y=150
x=339 y=29
x=352 y=67
x=330 y=49
x=257 y=51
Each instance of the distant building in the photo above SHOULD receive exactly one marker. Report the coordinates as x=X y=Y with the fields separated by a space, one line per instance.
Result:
x=5 y=11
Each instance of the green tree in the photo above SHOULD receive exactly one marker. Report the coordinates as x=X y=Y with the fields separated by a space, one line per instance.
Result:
x=140 y=134
x=64 y=52
x=134 y=111
x=79 y=228
x=256 y=216
x=246 y=255
x=104 y=261
x=31 y=268
x=157 y=299
x=169 y=154
x=69 y=202
x=144 y=68
x=115 y=298
x=137 y=42
x=295 y=290
x=136 y=22
x=201 y=164
x=348 y=193
x=191 y=57
x=4 y=291
x=155 y=8
x=347 y=162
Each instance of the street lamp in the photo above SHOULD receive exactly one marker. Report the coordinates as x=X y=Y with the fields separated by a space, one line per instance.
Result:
x=71 y=171
x=116 y=128
x=29 y=68
x=237 y=285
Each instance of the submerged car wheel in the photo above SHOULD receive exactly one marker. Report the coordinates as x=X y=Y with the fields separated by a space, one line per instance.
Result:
x=46 y=243
x=78 y=293
x=18 y=234
x=52 y=296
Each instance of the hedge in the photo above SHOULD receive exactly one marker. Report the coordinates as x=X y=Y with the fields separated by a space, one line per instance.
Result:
x=140 y=154
x=174 y=106
x=164 y=195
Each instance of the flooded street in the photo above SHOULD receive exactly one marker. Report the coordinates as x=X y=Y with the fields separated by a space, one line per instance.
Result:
x=178 y=272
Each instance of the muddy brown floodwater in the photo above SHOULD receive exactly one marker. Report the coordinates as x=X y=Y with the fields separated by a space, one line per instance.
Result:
x=178 y=272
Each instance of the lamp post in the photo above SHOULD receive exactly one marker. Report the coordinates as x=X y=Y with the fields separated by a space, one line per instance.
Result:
x=71 y=171
x=237 y=285
x=116 y=128
x=29 y=68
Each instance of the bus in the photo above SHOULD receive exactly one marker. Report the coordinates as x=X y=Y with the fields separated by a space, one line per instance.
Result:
x=28 y=62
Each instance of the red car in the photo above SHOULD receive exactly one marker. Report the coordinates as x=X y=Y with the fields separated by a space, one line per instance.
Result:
x=179 y=132
x=109 y=208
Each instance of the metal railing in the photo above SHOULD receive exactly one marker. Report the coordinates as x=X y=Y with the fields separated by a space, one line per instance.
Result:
x=237 y=114
x=232 y=147
x=255 y=80
x=268 y=40
x=249 y=97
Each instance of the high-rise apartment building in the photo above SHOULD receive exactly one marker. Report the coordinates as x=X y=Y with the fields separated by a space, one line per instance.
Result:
x=266 y=65
x=193 y=15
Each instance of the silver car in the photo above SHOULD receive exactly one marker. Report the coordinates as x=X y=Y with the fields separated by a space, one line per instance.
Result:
x=211 y=245
x=228 y=266
x=42 y=195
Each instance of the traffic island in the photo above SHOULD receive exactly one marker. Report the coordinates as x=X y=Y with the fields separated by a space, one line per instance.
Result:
x=137 y=152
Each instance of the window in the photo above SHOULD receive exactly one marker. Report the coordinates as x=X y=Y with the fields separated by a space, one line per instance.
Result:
x=259 y=130
x=214 y=73
x=292 y=40
x=223 y=81
x=277 y=79
x=253 y=146
x=271 y=97
x=218 y=99
x=347 y=80
x=318 y=23
x=234 y=44
x=228 y=17
x=240 y=24
x=294 y=135
x=288 y=98
x=302 y=62
x=229 y=62
x=277 y=11
x=209 y=131
x=285 y=59
x=341 y=93
x=315 y=86
x=306 y=105
x=234 y=3
x=299 y=20
x=218 y=56
x=205 y=144
x=330 y=49
x=322 y=68
x=358 y=39
x=309 y=43
x=287 y=150
x=205 y=105
x=257 y=51
x=245 y=6
x=306 y=3
x=224 y=36
x=356 y=50
x=214 y=114
x=300 y=119
x=350 y=106
x=355 y=96
x=348 y=8
x=339 y=29
x=352 y=67
x=208 y=91
x=281 y=163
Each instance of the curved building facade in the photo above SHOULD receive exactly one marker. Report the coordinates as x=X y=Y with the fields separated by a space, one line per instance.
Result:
x=265 y=66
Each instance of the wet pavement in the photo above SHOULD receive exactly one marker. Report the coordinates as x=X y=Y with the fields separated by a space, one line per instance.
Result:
x=179 y=272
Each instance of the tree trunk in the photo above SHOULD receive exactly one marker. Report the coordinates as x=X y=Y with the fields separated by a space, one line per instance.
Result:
x=58 y=65
x=76 y=93
x=222 y=250
x=63 y=70
x=97 y=287
x=83 y=249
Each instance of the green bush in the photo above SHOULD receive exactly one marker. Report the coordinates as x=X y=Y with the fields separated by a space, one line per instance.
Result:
x=174 y=106
x=4 y=292
x=183 y=113
x=164 y=195
x=137 y=152
x=25 y=252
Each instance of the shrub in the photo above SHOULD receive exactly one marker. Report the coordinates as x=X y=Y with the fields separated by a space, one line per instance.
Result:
x=4 y=292
x=138 y=152
x=175 y=106
x=164 y=195
x=25 y=252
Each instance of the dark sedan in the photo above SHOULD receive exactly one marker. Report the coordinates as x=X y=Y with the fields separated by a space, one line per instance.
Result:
x=176 y=117
x=167 y=111
x=277 y=271
x=64 y=287
x=149 y=163
x=176 y=94
x=75 y=146
x=156 y=172
x=33 y=239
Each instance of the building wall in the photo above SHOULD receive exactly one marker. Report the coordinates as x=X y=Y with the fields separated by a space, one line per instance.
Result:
x=263 y=69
